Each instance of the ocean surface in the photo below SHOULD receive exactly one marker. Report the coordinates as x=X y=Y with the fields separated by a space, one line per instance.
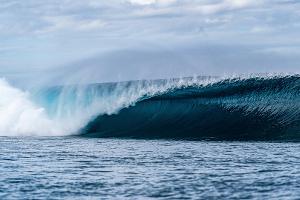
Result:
x=97 y=168
x=188 y=138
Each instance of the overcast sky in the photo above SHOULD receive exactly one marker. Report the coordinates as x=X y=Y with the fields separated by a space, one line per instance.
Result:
x=132 y=39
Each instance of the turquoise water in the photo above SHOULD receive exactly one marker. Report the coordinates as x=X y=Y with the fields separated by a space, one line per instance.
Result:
x=91 y=168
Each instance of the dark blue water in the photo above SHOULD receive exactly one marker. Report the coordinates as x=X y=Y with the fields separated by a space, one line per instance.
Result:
x=91 y=168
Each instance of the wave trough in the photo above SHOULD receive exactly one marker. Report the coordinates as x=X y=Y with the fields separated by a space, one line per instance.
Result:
x=259 y=108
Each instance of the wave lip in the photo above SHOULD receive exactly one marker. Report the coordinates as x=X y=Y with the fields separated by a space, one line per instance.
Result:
x=233 y=109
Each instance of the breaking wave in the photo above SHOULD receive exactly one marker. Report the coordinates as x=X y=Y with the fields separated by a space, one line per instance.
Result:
x=258 y=108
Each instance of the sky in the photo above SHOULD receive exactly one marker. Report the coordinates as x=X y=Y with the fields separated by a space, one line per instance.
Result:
x=100 y=40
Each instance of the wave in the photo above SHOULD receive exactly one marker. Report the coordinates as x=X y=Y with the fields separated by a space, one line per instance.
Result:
x=249 y=109
x=258 y=108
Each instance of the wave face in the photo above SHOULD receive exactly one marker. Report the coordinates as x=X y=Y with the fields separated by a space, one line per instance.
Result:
x=260 y=108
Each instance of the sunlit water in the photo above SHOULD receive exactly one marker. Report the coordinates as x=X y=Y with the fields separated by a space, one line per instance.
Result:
x=82 y=168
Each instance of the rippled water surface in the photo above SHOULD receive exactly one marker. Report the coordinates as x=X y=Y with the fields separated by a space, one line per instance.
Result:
x=80 y=168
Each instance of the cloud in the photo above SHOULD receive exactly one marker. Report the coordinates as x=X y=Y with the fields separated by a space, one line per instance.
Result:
x=32 y=16
x=151 y=2
x=68 y=23
x=46 y=34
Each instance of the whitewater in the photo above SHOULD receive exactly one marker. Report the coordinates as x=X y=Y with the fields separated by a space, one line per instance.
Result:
x=196 y=108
